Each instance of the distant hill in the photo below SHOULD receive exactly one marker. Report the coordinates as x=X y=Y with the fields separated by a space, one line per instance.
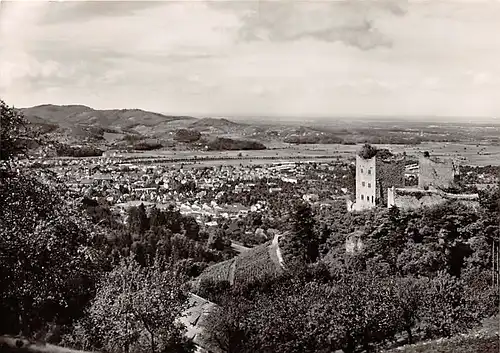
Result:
x=115 y=118
x=215 y=122
x=219 y=126
x=78 y=122
x=53 y=113
x=113 y=128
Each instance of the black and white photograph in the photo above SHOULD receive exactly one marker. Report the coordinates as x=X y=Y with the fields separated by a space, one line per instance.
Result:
x=250 y=176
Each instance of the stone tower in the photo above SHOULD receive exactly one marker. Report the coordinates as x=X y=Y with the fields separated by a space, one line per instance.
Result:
x=366 y=187
x=375 y=173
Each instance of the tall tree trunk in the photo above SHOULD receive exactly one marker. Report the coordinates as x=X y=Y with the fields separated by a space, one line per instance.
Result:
x=25 y=308
x=127 y=343
x=350 y=346
x=410 y=335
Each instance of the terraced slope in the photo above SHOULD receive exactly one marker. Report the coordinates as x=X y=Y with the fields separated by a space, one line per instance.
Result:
x=254 y=264
x=250 y=265
x=218 y=272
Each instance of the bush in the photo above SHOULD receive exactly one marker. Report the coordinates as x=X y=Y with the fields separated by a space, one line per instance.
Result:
x=367 y=152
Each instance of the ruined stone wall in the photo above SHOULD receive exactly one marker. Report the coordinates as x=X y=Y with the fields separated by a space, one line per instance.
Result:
x=390 y=173
x=406 y=199
x=437 y=174
x=353 y=243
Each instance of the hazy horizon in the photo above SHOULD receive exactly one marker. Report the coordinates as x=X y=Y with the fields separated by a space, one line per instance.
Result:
x=310 y=120
x=296 y=60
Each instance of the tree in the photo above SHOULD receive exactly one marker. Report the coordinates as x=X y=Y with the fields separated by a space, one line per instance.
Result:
x=138 y=308
x=46 y=253
x=409 y=294
x=446 y=310
x=191 y=227
x=46 y=256
x=368 y=151
x=12 y=132
x=302 y=244
x=251 y=320
x=421 y=259
x=218 y=240
x=365 y=312
x=138 y=220
x=303 y=314
x=490 y=199
x=223 y=329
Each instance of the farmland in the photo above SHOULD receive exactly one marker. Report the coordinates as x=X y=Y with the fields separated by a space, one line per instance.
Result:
x=254 y=264
x=468 y=154
x=250 y=265
x=219 y=272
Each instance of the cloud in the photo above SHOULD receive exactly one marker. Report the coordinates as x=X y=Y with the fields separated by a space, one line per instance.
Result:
x=481 y=78
x=19 y=66
x=350 y=22
x=82 y=11
x=304 y=57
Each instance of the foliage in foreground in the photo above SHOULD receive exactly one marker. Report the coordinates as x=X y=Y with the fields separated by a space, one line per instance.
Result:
x=135 y=309
x=360 y=310
x=12 y=132
x=46 y=260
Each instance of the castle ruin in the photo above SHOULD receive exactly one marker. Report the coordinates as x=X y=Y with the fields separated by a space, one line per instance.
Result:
x=380 y=181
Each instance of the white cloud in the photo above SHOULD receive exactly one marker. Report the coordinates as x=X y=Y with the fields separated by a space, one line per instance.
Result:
x=431 y=82
x=481 y=78
x=19 y=66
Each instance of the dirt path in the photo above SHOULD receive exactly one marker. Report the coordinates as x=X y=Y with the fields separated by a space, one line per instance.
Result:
x=232 y=269
x=275 y=250
x=238 y=247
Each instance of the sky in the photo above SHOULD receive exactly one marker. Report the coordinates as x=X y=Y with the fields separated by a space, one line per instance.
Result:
x=279 y=58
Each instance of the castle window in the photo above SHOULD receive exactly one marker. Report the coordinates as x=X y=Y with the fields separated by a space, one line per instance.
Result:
x=372 y=198
x=361 y=170
x=369 y=171
x=369 y=185
x=362 y=197
x=363 y=183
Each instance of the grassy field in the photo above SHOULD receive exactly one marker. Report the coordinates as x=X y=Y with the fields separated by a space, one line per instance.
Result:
x=470 y=154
